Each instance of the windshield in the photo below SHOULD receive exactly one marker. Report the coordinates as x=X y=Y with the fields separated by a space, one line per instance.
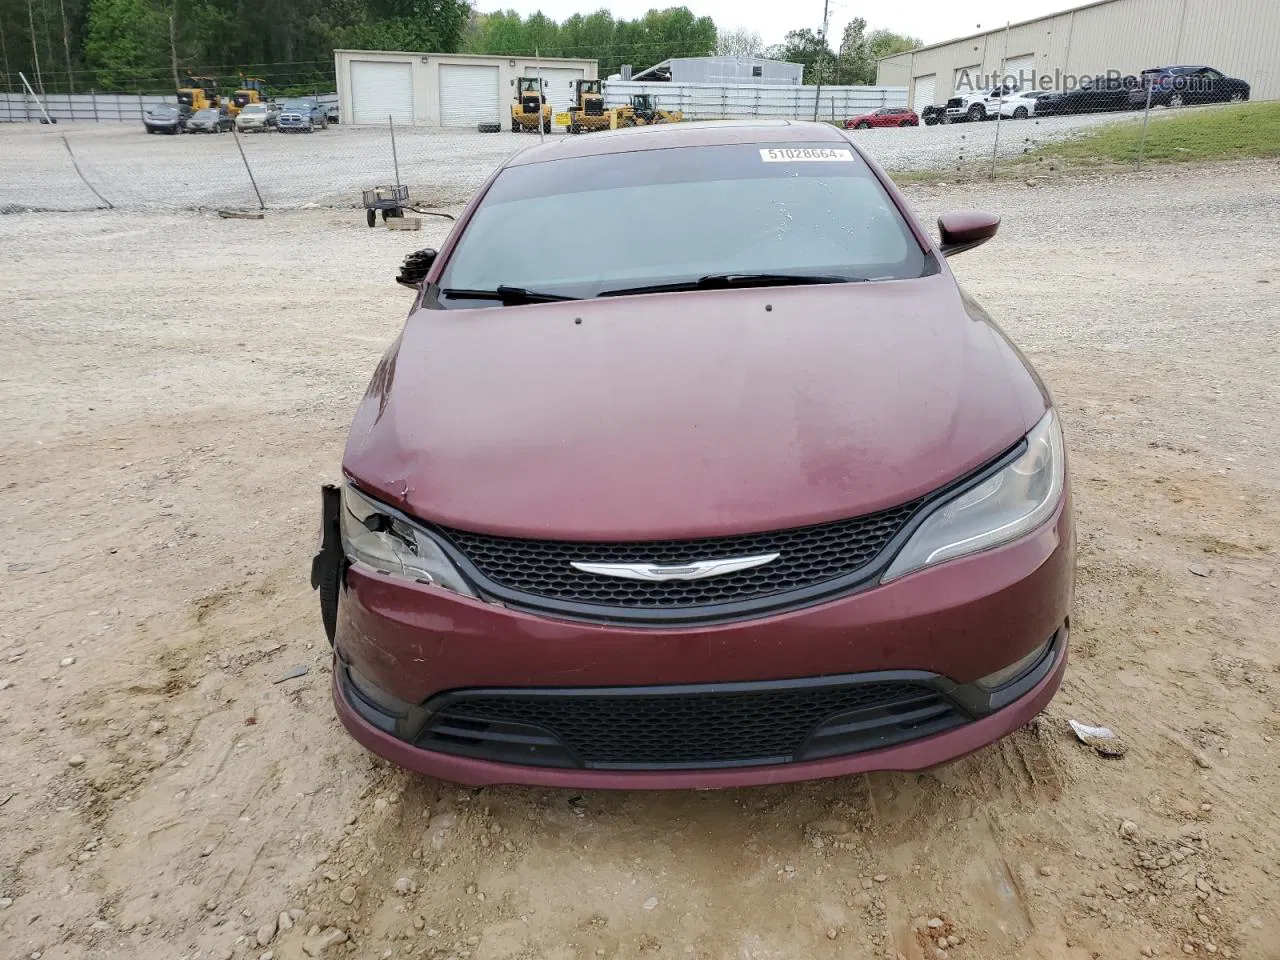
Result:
x=670 y=216
x=298 y=104
x=161 y=110
x=208 y=114
x=254 y=108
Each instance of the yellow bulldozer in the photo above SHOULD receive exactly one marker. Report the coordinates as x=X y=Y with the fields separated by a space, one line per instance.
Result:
x=530 y=107
x=642 y=111
x=199 y=93
x=252 y=90
x=587 y=112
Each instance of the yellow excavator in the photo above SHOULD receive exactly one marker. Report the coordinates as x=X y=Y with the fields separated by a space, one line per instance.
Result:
x=588 y=112
x=252 y=90
x=199 y=93
x=530 y=107
x=642 y=111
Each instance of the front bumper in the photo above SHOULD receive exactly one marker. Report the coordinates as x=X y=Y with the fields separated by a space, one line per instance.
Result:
x=420 y=647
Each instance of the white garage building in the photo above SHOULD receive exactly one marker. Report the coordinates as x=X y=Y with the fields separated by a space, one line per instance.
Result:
x=445 y=89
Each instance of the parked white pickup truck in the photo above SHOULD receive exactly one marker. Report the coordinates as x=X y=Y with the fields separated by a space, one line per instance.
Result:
x=978 y=104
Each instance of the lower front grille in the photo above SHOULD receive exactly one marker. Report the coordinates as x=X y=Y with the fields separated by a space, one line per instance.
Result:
x=689 y=727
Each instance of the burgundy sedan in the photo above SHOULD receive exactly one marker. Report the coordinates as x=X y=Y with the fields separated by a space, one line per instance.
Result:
x=884 y=117
x=722 y=481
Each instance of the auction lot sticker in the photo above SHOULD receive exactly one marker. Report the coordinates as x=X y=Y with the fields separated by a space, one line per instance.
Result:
x=804 y=155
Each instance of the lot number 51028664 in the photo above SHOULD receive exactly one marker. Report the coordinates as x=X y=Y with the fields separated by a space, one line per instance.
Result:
x=804 y=155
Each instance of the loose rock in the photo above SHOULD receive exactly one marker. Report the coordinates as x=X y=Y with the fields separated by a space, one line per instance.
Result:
x=267 y=932
x=285 y=922
x=76 y=760
x=347 y=895
x=651 y=903
x=321 y=942
x=1128 y=828
x=1200 y=569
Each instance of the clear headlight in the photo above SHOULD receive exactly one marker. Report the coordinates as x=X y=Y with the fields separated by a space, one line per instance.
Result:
x=373 y=535
x=1001 y=508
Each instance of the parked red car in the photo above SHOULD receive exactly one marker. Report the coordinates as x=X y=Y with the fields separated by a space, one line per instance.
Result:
x=752 y=492
x=884 y=117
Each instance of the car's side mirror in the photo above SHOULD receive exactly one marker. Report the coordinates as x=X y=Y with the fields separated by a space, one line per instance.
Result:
x=965 y=230
x=415 y=268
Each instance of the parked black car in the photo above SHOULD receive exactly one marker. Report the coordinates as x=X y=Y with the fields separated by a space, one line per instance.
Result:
x=1180 y=86
x=1094 y=95
x=167 y=118
x=933 y=114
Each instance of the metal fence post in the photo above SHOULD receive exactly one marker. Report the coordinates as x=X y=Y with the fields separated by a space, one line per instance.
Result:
x=999 y=89
x=239 y=146
x=395 y=159
x=94 y=95
x=542 y=95
x=1146 y=116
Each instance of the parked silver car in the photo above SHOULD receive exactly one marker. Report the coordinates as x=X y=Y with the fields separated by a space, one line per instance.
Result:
x=254 y=118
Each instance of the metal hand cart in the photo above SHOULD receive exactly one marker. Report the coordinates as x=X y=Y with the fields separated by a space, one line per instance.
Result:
x=391 y=200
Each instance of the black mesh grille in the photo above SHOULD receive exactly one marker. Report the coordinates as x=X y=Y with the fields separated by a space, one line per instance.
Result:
x=625 y=729
x=807 y=556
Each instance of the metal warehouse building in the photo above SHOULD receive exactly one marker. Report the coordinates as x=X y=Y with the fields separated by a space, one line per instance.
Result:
x=1239 y=37
x=726 y=70
x=444 y=89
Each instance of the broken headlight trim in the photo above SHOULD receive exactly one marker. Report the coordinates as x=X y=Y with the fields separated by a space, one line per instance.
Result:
x=384 y=539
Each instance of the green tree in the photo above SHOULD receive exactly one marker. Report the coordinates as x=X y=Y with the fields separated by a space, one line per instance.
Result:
x=126 y=39
x=806 y=47
x=885 y=43
x=739 y=42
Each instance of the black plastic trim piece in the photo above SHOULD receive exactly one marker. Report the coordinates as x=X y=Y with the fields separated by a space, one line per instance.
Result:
x=329 y=564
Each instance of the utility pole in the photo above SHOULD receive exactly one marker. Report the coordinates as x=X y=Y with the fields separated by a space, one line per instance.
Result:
x=66 y=46
x=4 y=62
x=173 y=52
x=817 y=95
x=35 y=54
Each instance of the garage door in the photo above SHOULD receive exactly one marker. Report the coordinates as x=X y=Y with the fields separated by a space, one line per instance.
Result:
x=971 y=77
x=468 y=95
x=924 y=92
x=380 y=90
x=555 y=81
x=1022 y=69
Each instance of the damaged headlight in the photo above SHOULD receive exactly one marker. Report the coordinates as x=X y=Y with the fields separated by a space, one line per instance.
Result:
x=1007 y=505
x=381 y=538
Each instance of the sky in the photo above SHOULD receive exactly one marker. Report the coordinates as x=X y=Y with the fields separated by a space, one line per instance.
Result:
x=930 y=20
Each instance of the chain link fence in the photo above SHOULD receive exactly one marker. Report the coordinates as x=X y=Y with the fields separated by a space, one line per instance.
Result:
x=98 y=153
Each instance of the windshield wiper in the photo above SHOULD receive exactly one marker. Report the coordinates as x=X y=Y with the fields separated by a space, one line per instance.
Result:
x=508 y=296
x=730 y=281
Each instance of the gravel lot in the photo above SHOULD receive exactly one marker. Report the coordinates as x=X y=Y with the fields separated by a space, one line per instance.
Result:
x=330 y=168
x=167 y=795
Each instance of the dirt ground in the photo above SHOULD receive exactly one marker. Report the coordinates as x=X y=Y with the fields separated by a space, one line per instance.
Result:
x=173 y=390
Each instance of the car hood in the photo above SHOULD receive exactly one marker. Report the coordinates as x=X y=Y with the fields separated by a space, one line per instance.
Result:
x=688 y=415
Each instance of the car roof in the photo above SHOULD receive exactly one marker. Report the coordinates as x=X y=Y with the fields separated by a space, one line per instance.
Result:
x=705 y=133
